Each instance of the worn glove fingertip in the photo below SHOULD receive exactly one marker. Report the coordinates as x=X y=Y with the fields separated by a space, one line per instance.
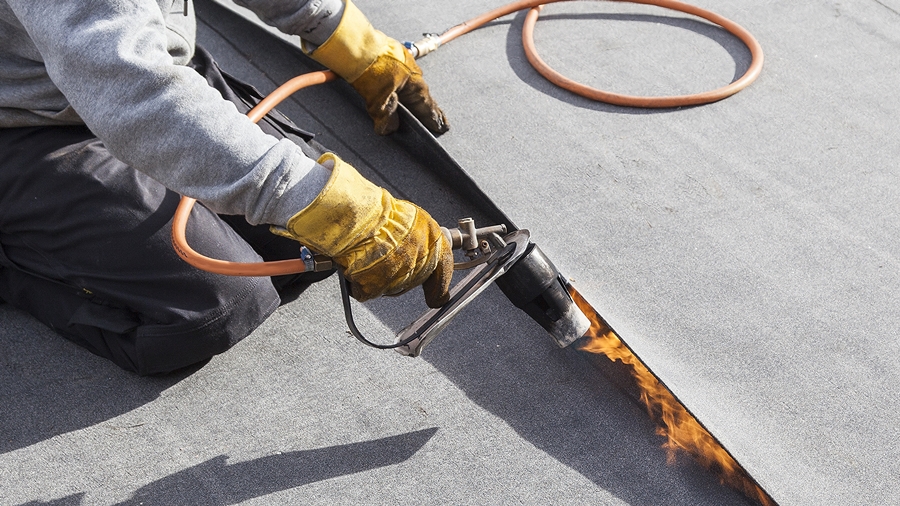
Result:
x=433 y=299
x=358 y=292
x=439 y=123
x=431 y=117
x=437 y=286
x=388 y=123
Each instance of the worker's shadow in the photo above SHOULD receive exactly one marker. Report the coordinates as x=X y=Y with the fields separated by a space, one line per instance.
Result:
x=217 y=482
x=49 y=386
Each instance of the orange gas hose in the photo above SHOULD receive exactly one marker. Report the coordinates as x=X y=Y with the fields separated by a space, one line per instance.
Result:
x=183 y=211
x=560 y=80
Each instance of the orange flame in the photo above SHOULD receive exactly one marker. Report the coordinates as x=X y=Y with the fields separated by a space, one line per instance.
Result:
x=682 y=431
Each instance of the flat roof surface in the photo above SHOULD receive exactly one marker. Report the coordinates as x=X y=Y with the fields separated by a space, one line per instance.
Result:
x=744 y=249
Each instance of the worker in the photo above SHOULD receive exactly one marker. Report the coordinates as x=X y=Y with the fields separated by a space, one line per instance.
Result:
x=109 y=111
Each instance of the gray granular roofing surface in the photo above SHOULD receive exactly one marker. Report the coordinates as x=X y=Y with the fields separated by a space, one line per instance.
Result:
x=745 y=250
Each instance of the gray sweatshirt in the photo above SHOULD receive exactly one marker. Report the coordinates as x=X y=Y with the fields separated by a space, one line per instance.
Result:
x=117 y=66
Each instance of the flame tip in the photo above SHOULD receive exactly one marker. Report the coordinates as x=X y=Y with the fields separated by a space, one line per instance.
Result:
x=683 y=432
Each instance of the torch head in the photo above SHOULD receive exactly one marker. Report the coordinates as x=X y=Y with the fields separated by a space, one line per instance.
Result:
x=521 y=270
x=535 y=285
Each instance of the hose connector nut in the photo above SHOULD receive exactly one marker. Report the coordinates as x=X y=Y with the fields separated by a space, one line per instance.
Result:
x=429 y=43
x=313 y=262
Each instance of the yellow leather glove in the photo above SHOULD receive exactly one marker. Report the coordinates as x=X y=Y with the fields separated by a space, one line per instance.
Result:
x=381 y=70
x=386 y=246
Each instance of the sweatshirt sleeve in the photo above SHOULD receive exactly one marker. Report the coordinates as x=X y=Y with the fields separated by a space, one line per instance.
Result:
x=313 y=20
x=109 y=59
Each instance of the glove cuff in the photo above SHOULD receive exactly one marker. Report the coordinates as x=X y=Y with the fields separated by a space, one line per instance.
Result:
x=348 y=208
x=353 y=47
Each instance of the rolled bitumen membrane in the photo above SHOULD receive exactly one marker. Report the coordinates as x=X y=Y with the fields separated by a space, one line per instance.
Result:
x=743 y=249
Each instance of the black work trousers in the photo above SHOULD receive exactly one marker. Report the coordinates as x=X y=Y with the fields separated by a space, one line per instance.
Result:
x=85 y=248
